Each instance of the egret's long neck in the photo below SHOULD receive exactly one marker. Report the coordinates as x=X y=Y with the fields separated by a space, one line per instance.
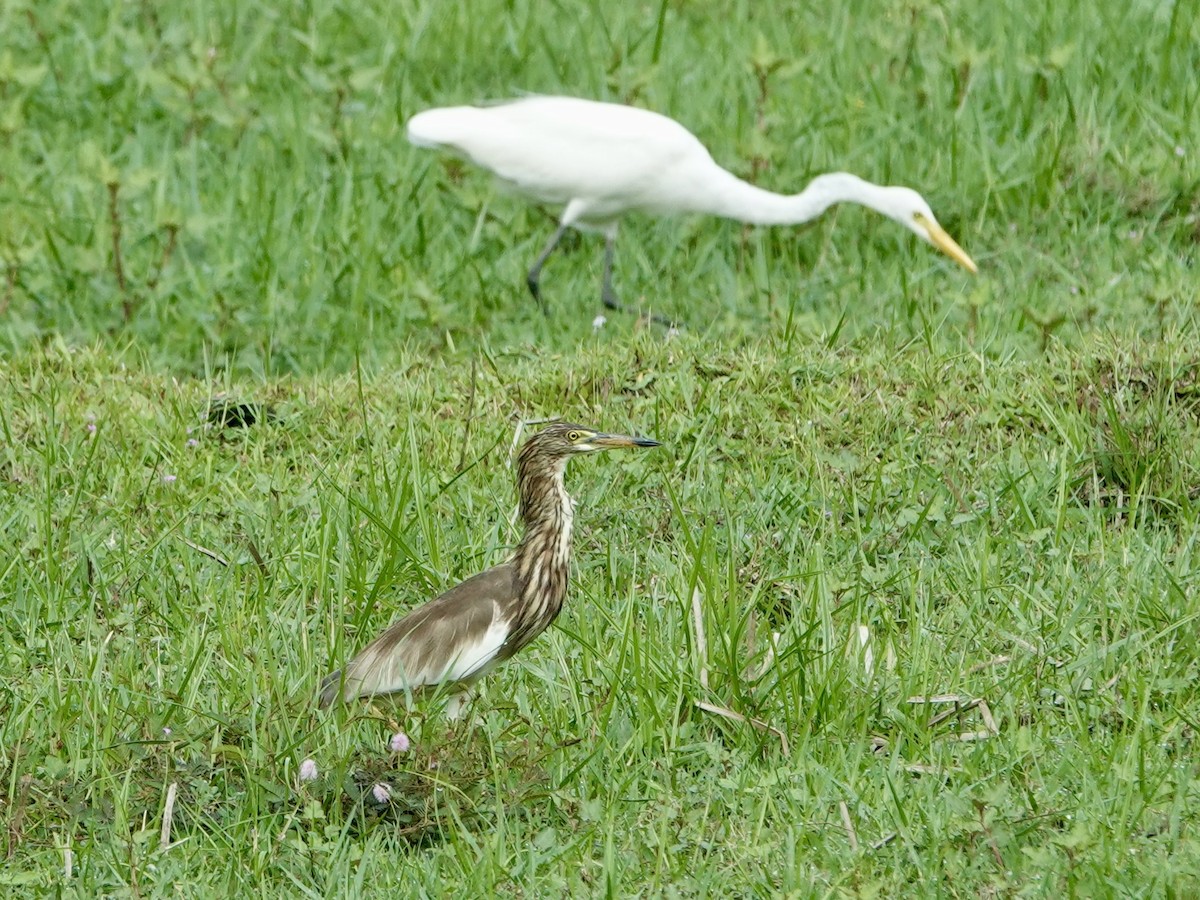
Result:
x=544 y=554
x=728 y=196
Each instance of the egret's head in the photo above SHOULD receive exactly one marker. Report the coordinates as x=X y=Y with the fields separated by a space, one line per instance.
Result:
x=909 y=208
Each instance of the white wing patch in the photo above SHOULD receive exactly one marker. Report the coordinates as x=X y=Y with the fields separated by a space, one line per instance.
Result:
x=452 y=641
x=475 y=658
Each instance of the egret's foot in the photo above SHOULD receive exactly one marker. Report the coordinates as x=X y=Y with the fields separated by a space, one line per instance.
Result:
x=611 y=302
x=536 y=290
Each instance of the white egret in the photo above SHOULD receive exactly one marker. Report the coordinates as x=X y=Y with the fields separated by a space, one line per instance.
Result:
x=603 y=160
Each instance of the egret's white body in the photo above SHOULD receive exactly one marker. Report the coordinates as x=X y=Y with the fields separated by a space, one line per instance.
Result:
x=602 y=160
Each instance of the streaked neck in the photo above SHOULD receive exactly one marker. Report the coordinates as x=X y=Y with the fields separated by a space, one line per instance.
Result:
x=543 y=555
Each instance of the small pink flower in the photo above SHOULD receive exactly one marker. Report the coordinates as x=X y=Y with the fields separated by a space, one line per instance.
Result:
x=308 y=770
x=381 y=792
x=169 y=479
x=91 y=427
x=399 y=742
x=192 y=442
x=166 y=731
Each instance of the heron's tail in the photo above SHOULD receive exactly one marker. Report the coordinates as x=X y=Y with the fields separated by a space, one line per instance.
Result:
x=331 y=687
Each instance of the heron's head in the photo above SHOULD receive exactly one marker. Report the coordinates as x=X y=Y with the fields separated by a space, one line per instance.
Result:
x=562 y=440
x=909 y=208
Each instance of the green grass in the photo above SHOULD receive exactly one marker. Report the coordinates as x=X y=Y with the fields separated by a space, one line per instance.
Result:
x=997 y=477
x=273 y=220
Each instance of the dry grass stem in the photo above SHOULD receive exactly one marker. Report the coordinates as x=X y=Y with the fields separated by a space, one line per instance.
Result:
x=211 y=554
x=738 y=717
x=701 y=641
x=168 y=816
x=848 y=824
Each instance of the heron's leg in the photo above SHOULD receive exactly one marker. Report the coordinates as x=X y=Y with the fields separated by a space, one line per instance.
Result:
x=375 y=712
x=535 y=272
x=454 y=706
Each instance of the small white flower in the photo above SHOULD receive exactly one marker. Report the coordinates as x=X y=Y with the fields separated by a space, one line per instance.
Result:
x=381 y=792
x=192 y=442
x=672 y=332
x=308 y=770
x=169 y=479
x=599 y=322
x=399 y=742
x=1179 y=152
x=166 y=731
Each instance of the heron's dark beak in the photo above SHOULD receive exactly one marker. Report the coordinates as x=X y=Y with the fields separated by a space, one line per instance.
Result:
x=618 y=441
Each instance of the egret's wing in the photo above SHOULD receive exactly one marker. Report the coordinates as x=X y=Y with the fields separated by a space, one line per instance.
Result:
x=451 y=639
x=560 y=148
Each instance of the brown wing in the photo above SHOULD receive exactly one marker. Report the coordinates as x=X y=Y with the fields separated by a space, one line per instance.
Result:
x=453 y=638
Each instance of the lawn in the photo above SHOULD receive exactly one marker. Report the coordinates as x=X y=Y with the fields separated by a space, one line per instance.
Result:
x=904 y=606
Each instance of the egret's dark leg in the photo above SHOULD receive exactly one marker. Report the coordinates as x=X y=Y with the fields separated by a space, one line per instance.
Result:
x=609 y=297
x=535 y=271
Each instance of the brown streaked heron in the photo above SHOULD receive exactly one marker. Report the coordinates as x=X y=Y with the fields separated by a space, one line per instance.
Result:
x=456 y=639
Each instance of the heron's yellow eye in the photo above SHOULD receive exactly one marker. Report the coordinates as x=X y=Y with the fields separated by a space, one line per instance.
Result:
x=573 y=436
